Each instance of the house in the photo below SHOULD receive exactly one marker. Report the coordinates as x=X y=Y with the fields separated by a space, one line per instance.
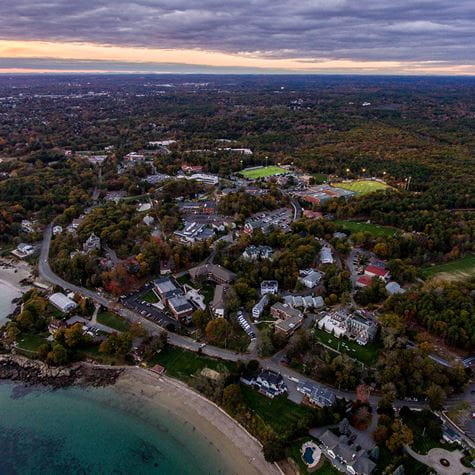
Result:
x=326 y=256
x=213 y=272
x=305 y=302
x=269 y=287
x=54 y=325
x=57 y=230
x=165 y=267
x=218 y=303
x=167 y=289
x=393 y=288
x=93 y=243
x=191 y=168
x=283 y=311
x=377 y=271
x=180 y=307
x=312 y=214
x=260 y=306
x=317 y=394
x=23 y=250
x=288 y=326
x=270 y=383
x=148 y=220
x=257 y=252
x=311 y=279
x=62 y=302
x=27 y=226
x=347 y=453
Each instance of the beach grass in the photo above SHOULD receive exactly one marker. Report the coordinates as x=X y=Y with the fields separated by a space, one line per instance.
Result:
x=362 y=187
x=374 y=229
x=113 y=320
x=281 y=414
x=183 y=364
x=367 y=354
x=262 y=172
x=454 y=270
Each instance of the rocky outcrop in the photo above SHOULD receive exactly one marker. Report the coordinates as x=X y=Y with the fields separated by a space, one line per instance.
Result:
x=19 y=368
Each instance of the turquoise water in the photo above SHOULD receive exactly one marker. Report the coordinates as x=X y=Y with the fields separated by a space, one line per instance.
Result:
x=96 y=431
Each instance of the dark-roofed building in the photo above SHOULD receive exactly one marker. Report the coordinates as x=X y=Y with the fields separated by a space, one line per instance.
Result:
x=167 y=288
x=289 y=325
x=317 y=394
x=270 y=383
x=213 y=272
x=180 y=307
x=283 y=311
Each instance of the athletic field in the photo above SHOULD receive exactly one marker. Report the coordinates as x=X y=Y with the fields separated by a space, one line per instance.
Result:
x=362 y=187
x=454 y=270
x=374 y=229
x=262 y=172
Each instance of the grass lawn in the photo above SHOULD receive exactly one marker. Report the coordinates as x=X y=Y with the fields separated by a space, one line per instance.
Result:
x=280 y=413
x=453 y=270
x=262 y=172
x=374 y=229
x=185 y=279
x=114 y=321
x=362 y=187
x=31 y=342
x=320 y=178
x=54 y=312
x=150 y=296
x=182 y=364
x=327 y=469
x=367 y=354
x=207 y=291
x=93 y=353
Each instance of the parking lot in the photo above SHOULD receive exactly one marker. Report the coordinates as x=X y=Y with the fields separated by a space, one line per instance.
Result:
x=134 y=302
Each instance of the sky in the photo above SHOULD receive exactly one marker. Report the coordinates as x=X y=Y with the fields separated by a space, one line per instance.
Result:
x=237 y=36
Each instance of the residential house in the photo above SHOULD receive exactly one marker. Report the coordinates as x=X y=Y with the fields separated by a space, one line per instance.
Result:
x=54 y=325
x=57 y=230
x=393 y=288
x=257 y=252
x=326 y=255
x=270 y=383
x=93 y=243
x=23 y=250
x=317 y=394
x=269 y=287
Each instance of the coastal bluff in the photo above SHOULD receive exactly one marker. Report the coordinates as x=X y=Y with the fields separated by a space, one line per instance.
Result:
x=25 y=370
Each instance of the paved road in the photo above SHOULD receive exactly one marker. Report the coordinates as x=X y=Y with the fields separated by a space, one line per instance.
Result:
x=192 y=345
x=297 y=209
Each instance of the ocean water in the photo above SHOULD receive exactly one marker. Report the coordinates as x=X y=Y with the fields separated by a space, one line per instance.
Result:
x=7 y=294
x=97 y=431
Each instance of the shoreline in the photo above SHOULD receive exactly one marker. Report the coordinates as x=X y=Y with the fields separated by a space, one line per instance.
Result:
x=13 y=273
x=238 y=447
x=214 y=424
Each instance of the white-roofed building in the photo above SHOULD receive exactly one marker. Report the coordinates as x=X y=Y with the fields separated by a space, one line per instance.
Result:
x=62 y=302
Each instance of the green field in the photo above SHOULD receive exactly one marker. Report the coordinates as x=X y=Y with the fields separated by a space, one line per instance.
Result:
x=280 y=413
x=182 y=364
x=31 y=342
x=112 y=320
x=149 y=297
x=453 y=270
x=367 y=354
x=362 y=187
x=262 y=172
x=374 y=229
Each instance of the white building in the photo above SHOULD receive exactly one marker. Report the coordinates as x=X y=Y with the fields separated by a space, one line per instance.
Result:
x=269 y=287
x=311 y=279
x=326 y=255
x=259 y=307
x=62 y=303
x=57 y=230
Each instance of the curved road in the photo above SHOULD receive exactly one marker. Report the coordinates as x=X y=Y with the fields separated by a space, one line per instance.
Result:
x=189 y=344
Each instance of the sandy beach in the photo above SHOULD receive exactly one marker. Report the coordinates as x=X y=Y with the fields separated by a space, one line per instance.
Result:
x=12 y=273
x=243 y=451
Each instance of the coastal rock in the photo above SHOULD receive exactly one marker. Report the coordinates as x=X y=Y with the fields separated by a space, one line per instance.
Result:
x=20 y=368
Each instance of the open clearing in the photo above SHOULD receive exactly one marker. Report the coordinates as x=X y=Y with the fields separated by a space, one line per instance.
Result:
x=262 y=172
x=362 y=187
x=455 y=270
x=374 y=229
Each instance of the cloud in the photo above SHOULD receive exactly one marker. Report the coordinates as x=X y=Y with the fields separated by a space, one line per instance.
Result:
x=360 y=30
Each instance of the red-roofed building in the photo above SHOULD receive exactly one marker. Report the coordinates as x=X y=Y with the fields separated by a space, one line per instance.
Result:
x=158 y=369
x=192 y=168
x=363 y=281
x=308 y=213
x=375 y=271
